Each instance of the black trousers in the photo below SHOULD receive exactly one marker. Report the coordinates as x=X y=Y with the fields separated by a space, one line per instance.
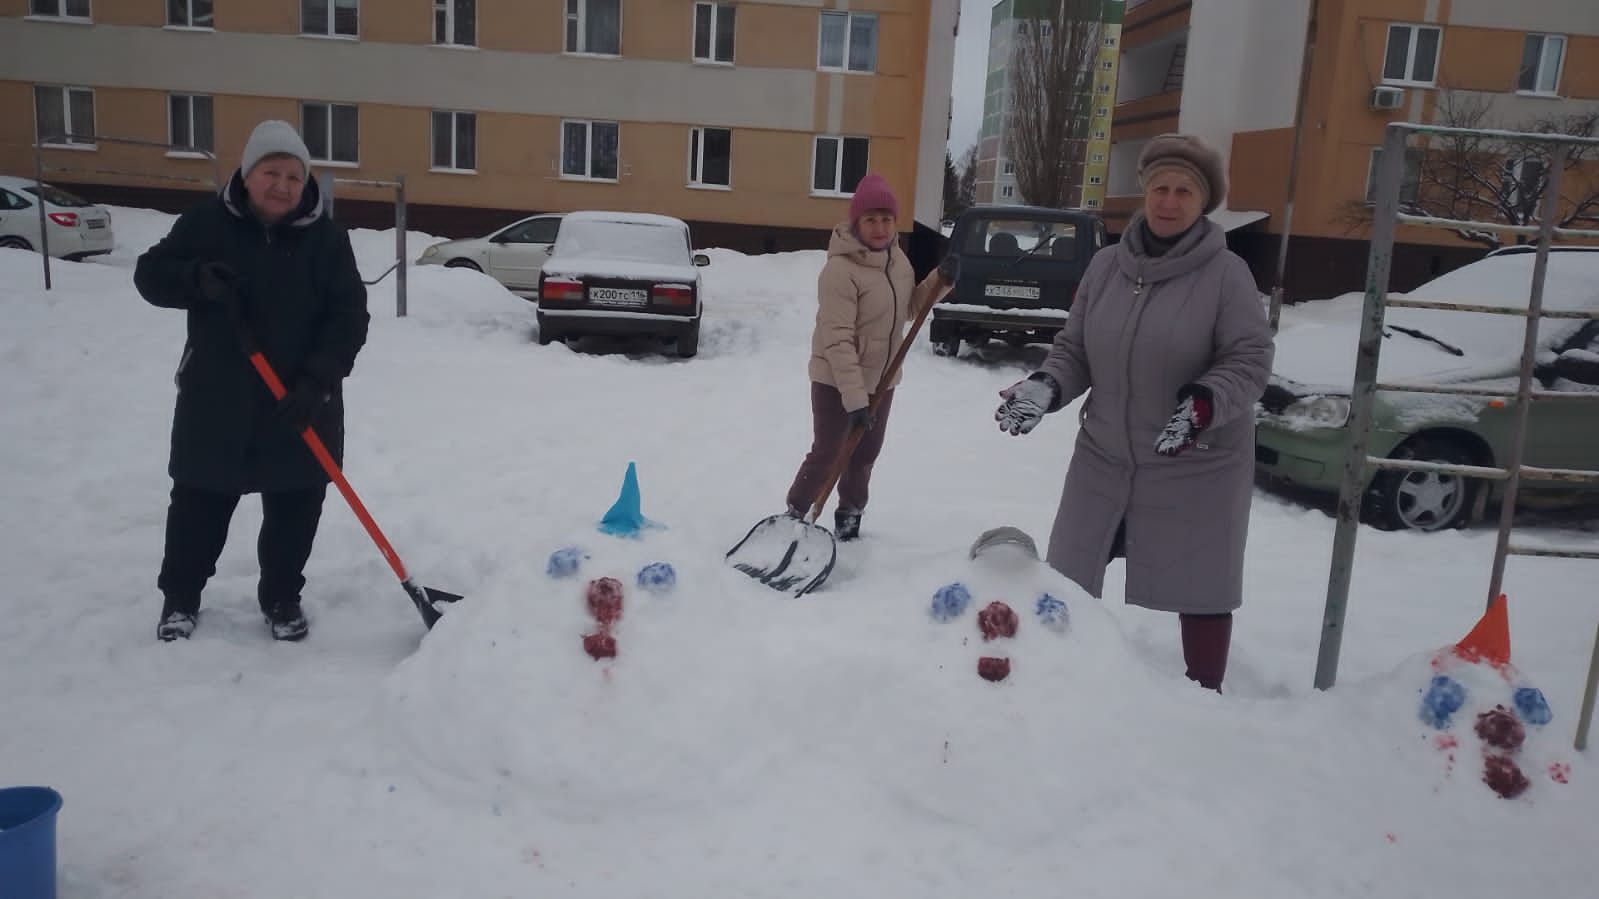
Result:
x=197 y=528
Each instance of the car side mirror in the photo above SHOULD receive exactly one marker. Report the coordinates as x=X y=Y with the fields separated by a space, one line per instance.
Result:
x=701 y=260
x=1580 y=366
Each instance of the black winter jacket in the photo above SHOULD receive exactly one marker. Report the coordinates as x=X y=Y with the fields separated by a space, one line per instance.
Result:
x=300 y=295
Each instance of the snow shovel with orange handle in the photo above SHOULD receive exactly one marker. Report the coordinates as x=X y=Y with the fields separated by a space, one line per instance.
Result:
x=797 y=554
x=427 y=599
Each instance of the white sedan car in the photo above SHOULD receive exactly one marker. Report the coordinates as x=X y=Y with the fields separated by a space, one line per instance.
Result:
x=512 y=255
x=622 y=274
x=78 y=229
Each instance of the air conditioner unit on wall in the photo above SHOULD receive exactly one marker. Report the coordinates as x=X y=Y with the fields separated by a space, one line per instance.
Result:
x=1385 y=97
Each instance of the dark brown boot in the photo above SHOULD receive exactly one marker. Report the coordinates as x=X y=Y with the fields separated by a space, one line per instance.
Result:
x=1206 y=639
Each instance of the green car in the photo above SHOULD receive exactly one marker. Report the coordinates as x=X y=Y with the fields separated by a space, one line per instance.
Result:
x=1303 y=435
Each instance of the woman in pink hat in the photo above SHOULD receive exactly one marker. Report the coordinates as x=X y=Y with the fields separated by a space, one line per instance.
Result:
x=866 y=293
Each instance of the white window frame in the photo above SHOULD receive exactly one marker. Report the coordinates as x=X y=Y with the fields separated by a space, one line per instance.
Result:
x=1096 y=180
x=172 y=151
x=327 y=108
x=716 y=13
x=849 y=31
x=1099 y=157
x=838 y=166
x=1537 y=72
x=189 y=14
x=1110 y=42
x=1370 y=195
x=1009 y=168
x=455 y=150
x=61 y=15
x=1091 y=203
x=581 y=17
x=588 y=155
x=1103 y=111
x=696 y=161
x=66 y=116
x=1100 y=135
x=332 y=33
x=448 y=7
x=1107 y=64
x=1007 y=192
x=1410 y=55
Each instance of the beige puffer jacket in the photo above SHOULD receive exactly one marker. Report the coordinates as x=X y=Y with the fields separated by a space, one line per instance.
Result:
x=864 y=298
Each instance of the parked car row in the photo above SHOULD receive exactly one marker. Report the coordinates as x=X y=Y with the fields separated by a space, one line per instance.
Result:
x=78 y=229
x=594 y=274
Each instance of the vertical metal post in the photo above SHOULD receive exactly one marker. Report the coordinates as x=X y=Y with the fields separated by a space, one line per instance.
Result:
x=1274 y=310
x=1529 y=350
x=399 y=246
x=1379 y=263
x=325 y=182
x=44 y=226
x=1585 y=718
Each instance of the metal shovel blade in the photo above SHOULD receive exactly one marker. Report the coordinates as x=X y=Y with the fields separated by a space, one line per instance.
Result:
x=428 y=600
x=786 y=553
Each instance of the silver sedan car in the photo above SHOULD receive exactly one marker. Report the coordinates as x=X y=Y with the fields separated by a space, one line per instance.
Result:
x=512 y=255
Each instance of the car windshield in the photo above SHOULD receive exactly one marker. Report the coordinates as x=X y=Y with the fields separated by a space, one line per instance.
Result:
x=623 y=240
x=55 y=196
x=1014 y=237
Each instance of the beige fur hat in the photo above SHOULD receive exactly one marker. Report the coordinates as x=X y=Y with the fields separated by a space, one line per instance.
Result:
x=1189 y=154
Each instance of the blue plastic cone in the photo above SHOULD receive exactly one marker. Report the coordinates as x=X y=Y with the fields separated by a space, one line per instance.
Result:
x=625 y=518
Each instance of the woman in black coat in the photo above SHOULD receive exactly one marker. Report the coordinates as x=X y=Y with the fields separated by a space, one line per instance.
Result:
x=262 y=256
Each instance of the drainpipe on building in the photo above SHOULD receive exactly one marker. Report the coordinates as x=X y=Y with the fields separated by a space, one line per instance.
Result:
x=1293 y=166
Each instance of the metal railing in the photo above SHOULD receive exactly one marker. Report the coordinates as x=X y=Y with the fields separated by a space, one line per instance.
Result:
x=401 y=265
x=1352 y=489
x=66 y=141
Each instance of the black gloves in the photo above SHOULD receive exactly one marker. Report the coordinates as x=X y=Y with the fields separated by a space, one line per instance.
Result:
x=1191 y=417
x=299 y=406
x=861 y=419
x=215 y=282
x=1025 y=403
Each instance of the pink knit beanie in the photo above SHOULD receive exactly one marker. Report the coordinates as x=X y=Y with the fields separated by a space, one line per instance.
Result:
x=872 y=193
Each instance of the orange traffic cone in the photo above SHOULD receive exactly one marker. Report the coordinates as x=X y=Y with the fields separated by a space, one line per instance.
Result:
x=1489 y=641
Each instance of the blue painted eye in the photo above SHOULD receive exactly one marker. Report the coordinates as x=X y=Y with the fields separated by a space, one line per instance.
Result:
x=1051 y=612
x=658 y=577
x=565 y=562
x=1445 y=696
x=1534 y=709
x=950 y=602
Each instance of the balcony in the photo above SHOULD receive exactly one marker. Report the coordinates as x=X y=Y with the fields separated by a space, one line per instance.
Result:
x=1162 y=106
x=1145 y=21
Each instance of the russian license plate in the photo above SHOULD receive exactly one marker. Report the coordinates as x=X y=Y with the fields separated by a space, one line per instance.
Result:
x=618 y=296
x=1012 y=291
x=95 y=224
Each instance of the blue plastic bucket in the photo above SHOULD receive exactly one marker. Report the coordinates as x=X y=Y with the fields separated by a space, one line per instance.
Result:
x=28 y=842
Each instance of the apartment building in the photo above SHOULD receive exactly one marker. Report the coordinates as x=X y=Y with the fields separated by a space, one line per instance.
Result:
x=1229 y=70
x=996 y=167
x=752 y=120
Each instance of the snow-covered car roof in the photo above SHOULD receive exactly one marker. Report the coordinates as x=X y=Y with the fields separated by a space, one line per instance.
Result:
x=597 y=238
x=625 y=218
x=1316 y=345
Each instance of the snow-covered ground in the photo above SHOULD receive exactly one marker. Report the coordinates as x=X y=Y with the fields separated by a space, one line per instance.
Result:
x=742 y=743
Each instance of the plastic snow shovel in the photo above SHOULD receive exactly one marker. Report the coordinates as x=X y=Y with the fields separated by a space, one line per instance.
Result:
x=797 y=554
x=426 y=599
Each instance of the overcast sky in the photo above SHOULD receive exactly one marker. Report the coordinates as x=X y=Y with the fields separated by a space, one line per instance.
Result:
x=971 y=63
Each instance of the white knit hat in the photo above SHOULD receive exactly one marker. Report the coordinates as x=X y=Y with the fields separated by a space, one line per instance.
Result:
x=274 y=136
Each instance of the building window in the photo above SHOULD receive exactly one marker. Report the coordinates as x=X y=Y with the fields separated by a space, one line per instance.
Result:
x=189 y=123
x=1410 y=182
x=1091 y=203
x=455 y=141
x=1099 y=157
x=1007 y=191
x=589 y=150
x=1103 y=111
x=64 y=116
x=189 y=13
x=1412 y=56
x=330 y=18
x=1095 y=180
x=332 y=132
x=848 y=42
x=59 y=9
x=1010 y=167
x=455 y=22
x=1104 y=88
x=1110 y=42
x=840 y=164
x=1108 y=64
x=713 y=32
x=594 y=26
x=1541 y=58
x=1099 y=135
x=710 y=157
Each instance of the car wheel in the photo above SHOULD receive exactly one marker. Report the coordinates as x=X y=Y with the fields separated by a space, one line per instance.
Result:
x=463 y=263
x=1424 y=501
x=15 y=243
x=688 y=345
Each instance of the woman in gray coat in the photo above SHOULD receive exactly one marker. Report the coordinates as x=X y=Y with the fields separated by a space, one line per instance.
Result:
x=1168 y=338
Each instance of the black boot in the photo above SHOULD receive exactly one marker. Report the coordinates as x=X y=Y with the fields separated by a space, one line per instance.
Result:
x=287 y=620
x=178 y=618
x=846 y=523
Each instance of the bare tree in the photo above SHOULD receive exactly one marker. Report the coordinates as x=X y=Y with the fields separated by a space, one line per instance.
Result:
x=1052 y=83
x=966 y=192
x=1495 y=179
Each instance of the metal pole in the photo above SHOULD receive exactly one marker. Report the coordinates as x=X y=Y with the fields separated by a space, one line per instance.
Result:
x=325 y=182
x=399 y=246
x=44 y=226
x=1275 y=309
x=1352 y=489
x=1585 y=718
x=1529 y=352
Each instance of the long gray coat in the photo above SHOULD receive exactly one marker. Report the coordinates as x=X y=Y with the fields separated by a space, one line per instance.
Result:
x=1140 y=329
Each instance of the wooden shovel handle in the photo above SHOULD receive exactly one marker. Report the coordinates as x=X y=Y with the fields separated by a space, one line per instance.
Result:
x=857 y=434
